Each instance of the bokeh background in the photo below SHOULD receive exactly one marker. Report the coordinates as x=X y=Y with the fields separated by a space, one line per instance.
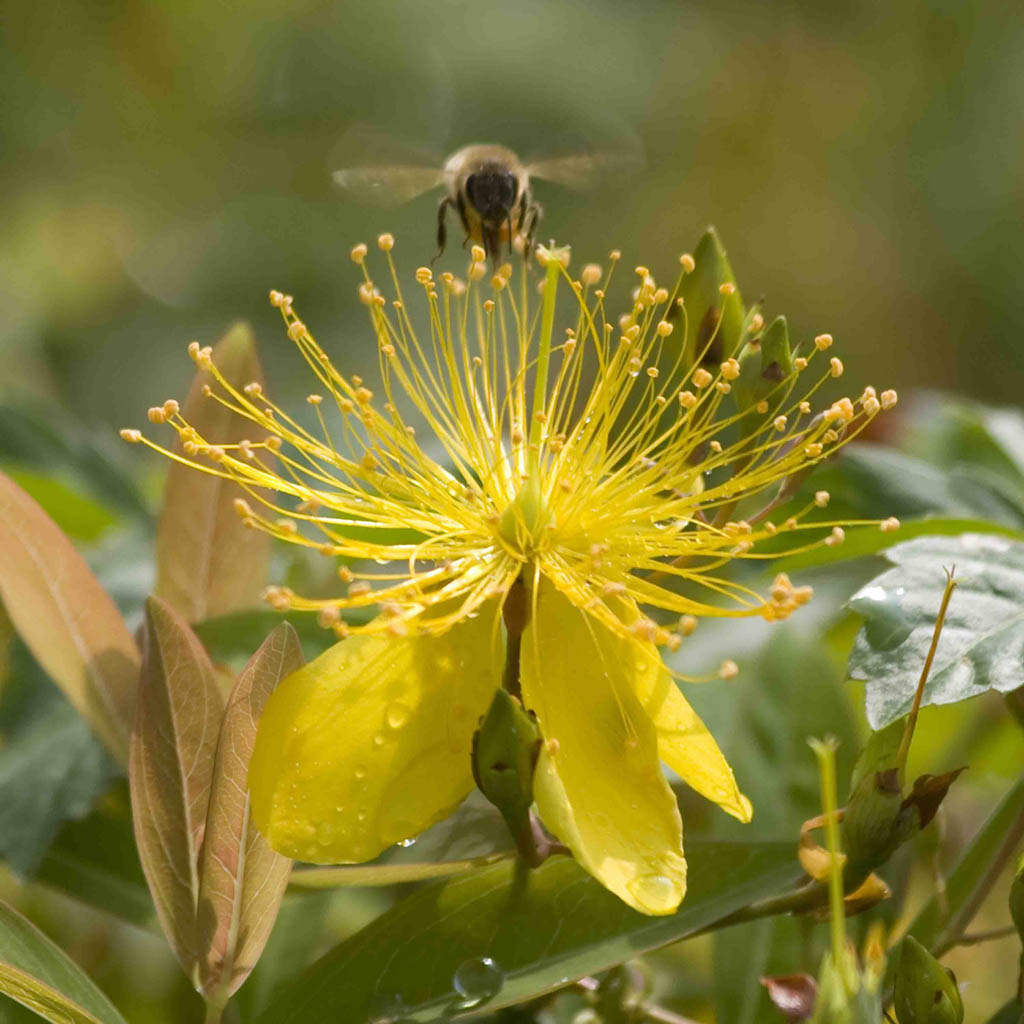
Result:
x=163 y=165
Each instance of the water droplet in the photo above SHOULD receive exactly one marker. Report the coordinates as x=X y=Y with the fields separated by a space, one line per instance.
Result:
x=653 y=890
x=886 y=625
x=406 y=843
x=477 y=980
x=378 y=740
x=360 y=772
x=397 y=714
x=361 y=814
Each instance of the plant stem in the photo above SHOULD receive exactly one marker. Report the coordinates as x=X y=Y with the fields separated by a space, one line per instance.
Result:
x=908 y=731
x=516 y=613
x=993 y=933
x=214 y=1011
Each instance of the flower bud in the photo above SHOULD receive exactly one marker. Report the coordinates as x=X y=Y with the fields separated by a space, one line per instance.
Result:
x=925 y=991
x=505 y=751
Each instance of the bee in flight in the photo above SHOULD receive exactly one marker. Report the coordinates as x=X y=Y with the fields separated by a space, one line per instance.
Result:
x=487 y=185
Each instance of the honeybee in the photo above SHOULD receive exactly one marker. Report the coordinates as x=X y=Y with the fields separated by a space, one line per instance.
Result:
x=487 y=185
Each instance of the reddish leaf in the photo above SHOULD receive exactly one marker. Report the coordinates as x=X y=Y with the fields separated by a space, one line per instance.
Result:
x=208 y=563
x=242 y=880
x=174 y=743
x=68 y=621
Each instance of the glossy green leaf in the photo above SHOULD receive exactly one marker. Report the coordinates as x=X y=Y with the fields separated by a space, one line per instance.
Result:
x=208 y=563
x=96 y=862
x=971 y=879
x=536 y=929
x=241 y=879
x=39 y=975
x=52 y=769
x=174 y=743
x=982 y=645
x=66 y=618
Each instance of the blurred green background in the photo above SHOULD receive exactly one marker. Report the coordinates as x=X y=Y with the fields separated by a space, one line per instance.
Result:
x=164 y=165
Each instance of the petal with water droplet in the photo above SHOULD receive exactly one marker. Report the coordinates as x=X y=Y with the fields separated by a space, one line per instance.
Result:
x=599 y=784
x=362 y=747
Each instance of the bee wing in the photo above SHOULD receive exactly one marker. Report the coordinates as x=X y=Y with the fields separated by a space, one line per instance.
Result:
x=586 y=170
x=386 y=186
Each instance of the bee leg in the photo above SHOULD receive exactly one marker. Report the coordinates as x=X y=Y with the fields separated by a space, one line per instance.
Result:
x=442 y=227
x=533 y=214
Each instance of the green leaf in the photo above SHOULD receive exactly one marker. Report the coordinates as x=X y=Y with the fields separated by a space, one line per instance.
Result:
x=79 y=517
x=51 y=769
x=1011 y=1013
x=51 y=440
x=66 y=618
x=96 y=862
x=170 y=771
x=42 y=977
x=983 y=640
x=241 y=879
x=974 y=875
x=540 y=928
x=208 y=563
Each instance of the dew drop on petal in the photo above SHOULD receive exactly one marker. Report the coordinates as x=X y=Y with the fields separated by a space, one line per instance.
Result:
x=397 y=714
x=360 y=772
x=406 y=843
x=477 y=980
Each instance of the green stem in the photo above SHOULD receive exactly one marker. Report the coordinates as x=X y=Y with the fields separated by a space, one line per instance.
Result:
x=516 y=613
x=214 y=1010
x=826 y=754
x=547 y=326
x=908 y=730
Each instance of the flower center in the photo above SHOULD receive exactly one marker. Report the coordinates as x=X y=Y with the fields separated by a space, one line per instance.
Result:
x=524 y=525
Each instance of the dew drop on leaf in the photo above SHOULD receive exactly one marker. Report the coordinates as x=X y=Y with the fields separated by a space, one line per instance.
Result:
x=477 y=980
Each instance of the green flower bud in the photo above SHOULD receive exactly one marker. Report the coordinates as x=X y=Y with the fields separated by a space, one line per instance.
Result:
x=505 y=750
x=925 y=992
x=711 y=304
x=762 y=369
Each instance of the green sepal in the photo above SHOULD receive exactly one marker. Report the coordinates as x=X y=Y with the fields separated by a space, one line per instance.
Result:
x=763 y=367
x=710 y=315
x=505 y=750
x=846 y=995
x=925 y=991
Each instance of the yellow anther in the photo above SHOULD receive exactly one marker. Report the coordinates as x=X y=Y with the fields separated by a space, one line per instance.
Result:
x=131 y=436
x=821 y=498
x=357 y=253
x=701 y=378
x=386 y=242
x=727 y=288
x=835 y=365
x=889 y=525
x=664 y=329
x=728 y=669
x=822 y=342
x=731 y=369
x=889 y=399
x=836 y=537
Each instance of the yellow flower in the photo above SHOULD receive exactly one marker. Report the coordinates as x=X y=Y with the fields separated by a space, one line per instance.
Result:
x=599 y=471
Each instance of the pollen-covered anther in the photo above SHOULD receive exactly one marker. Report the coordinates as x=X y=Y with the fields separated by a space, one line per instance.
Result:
x=367 y=296
x=821 y=498
x=253 y=389
x=731 y=369
x=207 y=391
x=279 y=598
x=715 y=446
x=813 y=450
x=644 y=629
x=686 y=261
x=287 y=526
x=215 y=453
x=328 y=616
x=296 y=329
x=276 y=298
x=652 y=372
x=779 y=423
x=871 y=406
x=498 y=282
x=477 y=270
x=728 y=669
x=843 y=409
x=664 y=329
x=889 y=399
x=424 y=275
x=344 y=572
x=359 y=588
x=155 y=414
x=386 y=242
x=830 y=436
x=687 y=624
x=357 y=254
x=171 y=408
x=800 y=362
x=822 y=342
x=727 y=288
x=364 y=396
x=723 y=387
x=835 y=366
x=131 y=436
x=701 y=378
x=889 y=525
x=805 y=407
x=590 y=274
x=836 y=537
x=273 y=442
x=242 y=507
x=756 y=323
x=569 y=347
x=201 y=356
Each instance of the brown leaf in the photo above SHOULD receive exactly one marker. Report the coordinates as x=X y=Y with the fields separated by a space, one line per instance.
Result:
x=66 y=618
x=208 y=563
x=242 y=880
x=793 y=994
x=928 y=793
x=173 y=747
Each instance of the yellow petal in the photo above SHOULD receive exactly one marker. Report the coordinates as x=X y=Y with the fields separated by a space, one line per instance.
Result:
x=599 y=785
x=370 y=743
x=684 y=742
